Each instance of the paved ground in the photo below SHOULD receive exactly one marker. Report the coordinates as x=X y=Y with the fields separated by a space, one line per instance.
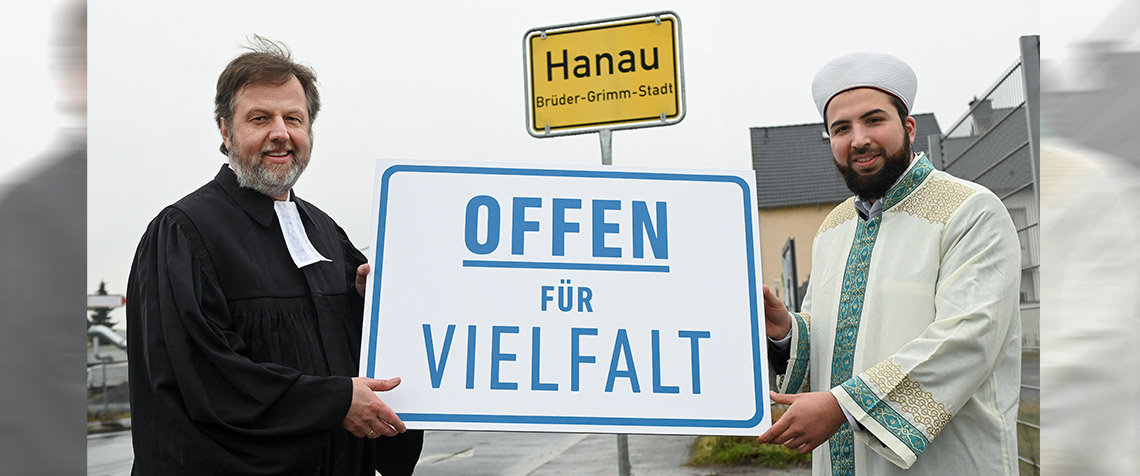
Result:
x=455 y=453
x=109 y=454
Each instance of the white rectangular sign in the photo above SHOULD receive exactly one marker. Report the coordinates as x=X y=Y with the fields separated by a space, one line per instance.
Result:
x=527 y=298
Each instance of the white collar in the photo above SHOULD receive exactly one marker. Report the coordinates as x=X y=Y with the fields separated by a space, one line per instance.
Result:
x=300 y=248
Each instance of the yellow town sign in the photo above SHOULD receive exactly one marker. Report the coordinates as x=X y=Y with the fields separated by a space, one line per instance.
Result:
x=611 y=74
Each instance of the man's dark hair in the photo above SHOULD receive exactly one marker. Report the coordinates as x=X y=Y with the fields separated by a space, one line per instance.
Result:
x=900 y=107
x=267 y=61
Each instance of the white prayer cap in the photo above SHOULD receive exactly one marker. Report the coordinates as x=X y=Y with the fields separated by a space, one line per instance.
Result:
x=864 y=70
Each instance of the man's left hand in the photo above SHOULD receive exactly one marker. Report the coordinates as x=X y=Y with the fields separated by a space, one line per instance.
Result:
x=810 y=420
x=362 y=278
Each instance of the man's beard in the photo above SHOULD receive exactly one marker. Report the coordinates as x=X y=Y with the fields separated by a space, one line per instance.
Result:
x=253 y=174
x=873 y=187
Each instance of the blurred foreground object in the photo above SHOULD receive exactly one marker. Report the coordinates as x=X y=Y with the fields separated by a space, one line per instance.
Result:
x=42 y=262
x=1089 y=312
x=1090 y=173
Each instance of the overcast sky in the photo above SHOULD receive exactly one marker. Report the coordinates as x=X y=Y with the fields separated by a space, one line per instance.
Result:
x=444 y=80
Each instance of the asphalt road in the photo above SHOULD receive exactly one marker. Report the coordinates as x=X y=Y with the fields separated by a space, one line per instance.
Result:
x=454 y=453
x=496 y=453
x=482 y=453
x=109 y=454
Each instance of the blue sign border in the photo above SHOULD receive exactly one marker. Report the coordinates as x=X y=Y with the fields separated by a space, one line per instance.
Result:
x=757 y=355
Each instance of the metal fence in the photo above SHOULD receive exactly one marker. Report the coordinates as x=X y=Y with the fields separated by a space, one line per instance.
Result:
x=995 y=144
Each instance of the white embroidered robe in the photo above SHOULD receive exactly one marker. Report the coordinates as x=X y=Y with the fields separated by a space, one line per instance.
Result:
x=911 y=320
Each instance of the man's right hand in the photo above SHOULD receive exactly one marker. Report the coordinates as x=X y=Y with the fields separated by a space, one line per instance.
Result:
x=777 y=319
x=368 y=416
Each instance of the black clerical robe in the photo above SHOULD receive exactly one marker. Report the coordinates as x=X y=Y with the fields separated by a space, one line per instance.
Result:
x=240 y=361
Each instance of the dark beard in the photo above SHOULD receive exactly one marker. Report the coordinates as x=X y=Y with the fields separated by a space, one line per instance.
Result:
x=873 y=187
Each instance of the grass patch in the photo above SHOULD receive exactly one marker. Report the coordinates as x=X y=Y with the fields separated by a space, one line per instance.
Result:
x=735 y=450
x=1029 y=447
x=1029 y=412
x=1027 y=469
x=731 y=450
x=1031 y=356
x=106 y=422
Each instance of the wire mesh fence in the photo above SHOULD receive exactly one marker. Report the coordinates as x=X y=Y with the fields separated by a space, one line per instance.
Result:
x=992 y=144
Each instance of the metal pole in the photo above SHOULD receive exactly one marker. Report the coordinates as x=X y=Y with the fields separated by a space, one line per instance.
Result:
x=605 y=138
x=95 y=353
x=1031 y=75
x=106 y=403
x=623 y=455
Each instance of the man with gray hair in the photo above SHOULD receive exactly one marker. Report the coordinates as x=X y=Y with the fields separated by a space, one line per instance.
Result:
x=906 y=357
x=244 y=308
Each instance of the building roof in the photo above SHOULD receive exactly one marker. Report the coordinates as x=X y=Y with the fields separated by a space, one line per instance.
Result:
x=794 y=165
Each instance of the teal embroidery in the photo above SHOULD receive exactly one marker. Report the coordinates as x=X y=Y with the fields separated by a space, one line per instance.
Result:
x=908 y=183
x=799 y=365
x=842 y=444
x=886 y=416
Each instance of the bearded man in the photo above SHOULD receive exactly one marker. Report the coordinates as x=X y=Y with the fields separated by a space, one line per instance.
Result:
x=244 y=308
x=906 y=357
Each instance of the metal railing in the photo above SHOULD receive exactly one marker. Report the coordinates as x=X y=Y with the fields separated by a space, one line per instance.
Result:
x=994 y=144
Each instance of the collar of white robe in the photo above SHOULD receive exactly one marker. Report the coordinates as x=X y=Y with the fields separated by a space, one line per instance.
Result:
x=300 y=248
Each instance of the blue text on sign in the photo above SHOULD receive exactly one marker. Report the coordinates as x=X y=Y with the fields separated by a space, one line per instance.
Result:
x=643 y=227
x=622 y=364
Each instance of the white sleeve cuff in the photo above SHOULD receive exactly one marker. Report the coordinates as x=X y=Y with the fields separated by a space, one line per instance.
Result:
x=850 y=419
x=783 y=344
